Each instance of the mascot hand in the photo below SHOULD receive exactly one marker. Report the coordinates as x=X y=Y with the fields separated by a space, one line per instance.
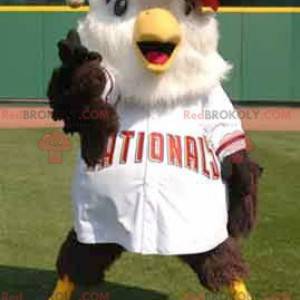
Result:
x=75 y=91
x=241 y=175
x=72 y=53
x=100 y=121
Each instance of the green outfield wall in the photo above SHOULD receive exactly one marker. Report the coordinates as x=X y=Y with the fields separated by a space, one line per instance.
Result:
x=263 y=46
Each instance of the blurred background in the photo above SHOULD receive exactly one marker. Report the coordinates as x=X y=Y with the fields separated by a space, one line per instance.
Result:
x=262 y=42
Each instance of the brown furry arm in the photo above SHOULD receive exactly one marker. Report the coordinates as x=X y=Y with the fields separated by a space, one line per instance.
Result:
x=75 y=91
x=241 y=175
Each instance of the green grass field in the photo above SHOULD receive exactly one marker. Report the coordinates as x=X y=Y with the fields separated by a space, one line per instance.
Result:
x=35 y=214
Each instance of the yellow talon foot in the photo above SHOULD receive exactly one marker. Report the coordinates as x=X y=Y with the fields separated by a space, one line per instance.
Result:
x=63 y=290
x=238 y=291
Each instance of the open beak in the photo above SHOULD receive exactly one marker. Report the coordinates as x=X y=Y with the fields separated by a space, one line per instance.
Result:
x=157 y=36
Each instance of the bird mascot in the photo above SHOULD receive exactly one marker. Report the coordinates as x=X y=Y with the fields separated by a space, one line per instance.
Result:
x=160 y=170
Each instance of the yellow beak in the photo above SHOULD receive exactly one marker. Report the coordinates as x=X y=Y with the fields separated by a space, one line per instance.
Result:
x=157 y=36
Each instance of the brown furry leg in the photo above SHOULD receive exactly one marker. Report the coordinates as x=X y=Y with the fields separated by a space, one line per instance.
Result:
x=219 y=267
x=85 y=264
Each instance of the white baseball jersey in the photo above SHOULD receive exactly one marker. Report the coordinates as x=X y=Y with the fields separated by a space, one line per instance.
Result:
x=158 y=190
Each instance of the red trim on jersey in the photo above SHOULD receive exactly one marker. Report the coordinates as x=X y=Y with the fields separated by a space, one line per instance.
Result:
x=140 y=147
x=205 y=170
x=110 y=79
x=214 y=165
x=191 y=154
x=229 y=142
x=107 y=159
x=126 y=135
x=156 y=142
x=174 y=150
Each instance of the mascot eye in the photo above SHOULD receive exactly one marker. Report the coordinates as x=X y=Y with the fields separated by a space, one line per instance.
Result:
x=189 y=6
x=120 y=7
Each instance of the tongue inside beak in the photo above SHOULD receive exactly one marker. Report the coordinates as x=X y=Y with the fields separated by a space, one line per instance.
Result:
x=157 y=57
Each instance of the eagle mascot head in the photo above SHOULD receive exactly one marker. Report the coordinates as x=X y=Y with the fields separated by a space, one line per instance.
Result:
x=160 y=51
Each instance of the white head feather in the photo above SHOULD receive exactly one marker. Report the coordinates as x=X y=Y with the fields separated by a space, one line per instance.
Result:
x=196 y=69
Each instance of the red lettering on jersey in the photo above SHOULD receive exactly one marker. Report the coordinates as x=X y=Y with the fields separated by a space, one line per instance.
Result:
x=214 y=165
x=140 y=147
x=107 y=159
x=156 y=147
x=174 y=150
x=191 y=154
x=126 y=135
x=205 y=170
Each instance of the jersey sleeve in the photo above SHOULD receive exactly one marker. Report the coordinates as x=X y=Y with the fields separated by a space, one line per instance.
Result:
x=111 y=93
x=224 y=128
